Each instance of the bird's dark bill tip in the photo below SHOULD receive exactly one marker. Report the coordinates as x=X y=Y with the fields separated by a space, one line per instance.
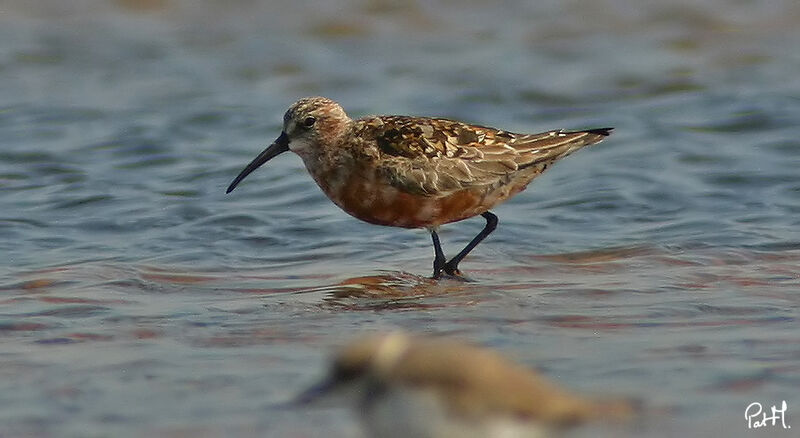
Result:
x=235 y=183
x=279 y=146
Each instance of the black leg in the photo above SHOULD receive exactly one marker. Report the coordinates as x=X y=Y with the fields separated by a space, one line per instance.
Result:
x=451 y=267
x=439 y=260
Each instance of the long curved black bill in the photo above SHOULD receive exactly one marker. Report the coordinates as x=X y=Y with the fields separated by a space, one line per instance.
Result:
x=314 y=394
x=278 y=147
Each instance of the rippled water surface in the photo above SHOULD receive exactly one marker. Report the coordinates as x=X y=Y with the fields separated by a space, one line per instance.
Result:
x=137 y=299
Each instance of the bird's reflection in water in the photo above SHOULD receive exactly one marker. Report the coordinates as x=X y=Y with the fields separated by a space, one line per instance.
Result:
x=399 y=290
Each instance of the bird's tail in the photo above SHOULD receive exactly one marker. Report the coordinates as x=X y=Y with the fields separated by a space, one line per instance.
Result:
x=551 y=146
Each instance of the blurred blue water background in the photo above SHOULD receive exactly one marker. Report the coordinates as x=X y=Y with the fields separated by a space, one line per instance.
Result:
x=137 y=299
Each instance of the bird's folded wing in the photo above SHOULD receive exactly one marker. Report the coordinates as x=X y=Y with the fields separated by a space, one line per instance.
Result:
x=439 y=156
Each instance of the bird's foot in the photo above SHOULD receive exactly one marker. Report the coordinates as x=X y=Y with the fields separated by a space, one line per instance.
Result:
x=451 y=275
x=451 y=269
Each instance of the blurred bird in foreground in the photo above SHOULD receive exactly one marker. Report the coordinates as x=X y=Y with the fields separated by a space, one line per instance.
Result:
x=416 y=172
x=406 y=386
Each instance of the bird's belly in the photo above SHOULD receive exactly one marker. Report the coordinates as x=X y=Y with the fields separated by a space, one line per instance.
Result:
x=378 y=202
x=420 y=413
x=364 y=194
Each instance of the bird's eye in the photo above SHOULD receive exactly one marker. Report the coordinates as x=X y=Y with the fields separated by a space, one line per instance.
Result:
x=309 y=122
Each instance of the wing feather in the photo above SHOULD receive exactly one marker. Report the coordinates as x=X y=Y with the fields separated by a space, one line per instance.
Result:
x=436 y=157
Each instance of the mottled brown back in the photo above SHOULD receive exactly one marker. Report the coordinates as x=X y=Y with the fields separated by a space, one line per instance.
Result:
x=436 y=157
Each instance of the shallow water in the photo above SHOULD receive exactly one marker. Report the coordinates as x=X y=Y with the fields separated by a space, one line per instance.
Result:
x=137 y=299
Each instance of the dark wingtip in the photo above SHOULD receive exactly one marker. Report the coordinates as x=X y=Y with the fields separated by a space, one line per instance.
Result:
x=605 y=132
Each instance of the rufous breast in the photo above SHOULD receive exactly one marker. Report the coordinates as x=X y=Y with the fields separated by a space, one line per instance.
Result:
x=363 y=193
